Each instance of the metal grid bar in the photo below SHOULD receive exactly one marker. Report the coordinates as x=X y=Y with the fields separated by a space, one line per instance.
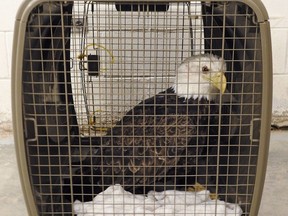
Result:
x=87 y=65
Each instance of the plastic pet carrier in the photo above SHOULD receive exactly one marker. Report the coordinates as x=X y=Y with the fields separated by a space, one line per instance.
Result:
x=142 y=108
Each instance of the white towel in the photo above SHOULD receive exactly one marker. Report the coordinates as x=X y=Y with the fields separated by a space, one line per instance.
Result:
x=115 y=201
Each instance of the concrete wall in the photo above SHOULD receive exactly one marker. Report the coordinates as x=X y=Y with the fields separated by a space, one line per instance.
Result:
x=277 y=10
x=8 y=11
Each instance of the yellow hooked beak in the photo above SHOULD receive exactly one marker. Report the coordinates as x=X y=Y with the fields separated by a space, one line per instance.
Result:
x=218 y=80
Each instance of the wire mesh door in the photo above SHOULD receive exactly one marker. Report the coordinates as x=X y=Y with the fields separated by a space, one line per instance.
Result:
x=133 y=108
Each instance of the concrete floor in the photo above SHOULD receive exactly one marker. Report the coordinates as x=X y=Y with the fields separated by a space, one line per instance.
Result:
x=274 y=200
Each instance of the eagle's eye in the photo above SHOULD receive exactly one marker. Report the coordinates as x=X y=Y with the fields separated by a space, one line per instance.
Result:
x=205 y=69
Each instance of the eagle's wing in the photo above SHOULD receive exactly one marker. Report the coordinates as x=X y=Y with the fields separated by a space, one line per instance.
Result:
x=146 y=143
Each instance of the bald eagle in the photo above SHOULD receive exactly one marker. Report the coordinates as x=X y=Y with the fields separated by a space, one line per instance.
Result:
x=161 y=138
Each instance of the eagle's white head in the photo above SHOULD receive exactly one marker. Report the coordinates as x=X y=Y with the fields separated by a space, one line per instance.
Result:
x=200 y=76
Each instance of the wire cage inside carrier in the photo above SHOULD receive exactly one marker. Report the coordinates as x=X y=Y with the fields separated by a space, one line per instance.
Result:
x=132 y=108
